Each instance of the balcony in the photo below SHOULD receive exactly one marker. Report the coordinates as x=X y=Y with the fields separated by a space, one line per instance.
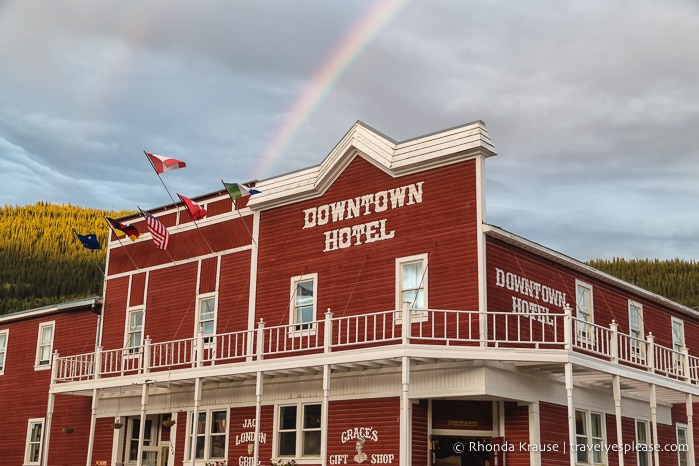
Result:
x=531 y=339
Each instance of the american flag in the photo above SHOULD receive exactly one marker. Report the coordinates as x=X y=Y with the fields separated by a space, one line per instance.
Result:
x=161 y=237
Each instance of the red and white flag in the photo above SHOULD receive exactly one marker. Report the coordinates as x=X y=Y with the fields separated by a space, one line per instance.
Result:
x=163 y=164
x=195 y=210
x=161 y=237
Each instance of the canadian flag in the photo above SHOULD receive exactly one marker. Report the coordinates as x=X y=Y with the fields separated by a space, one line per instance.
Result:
x=163 y=164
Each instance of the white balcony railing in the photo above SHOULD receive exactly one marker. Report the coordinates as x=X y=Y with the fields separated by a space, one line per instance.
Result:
x=524 y=331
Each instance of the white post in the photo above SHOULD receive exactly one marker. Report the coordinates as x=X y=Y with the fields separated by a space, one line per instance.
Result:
x=691 y=460
x=571 y=411
x=616 y=381
x=534 y=434
x=49 y=412
x=258 y=415
x=405 y=414
x=328 y=335
x=93 y=423
x=324 y=416
x=654 y=421
x=195 y=421
x=141 y=433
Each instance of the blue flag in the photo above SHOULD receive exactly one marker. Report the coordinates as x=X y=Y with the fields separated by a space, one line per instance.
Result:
x=89 y=240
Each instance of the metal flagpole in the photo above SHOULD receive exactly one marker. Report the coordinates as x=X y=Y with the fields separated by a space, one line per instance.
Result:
x=121 y=244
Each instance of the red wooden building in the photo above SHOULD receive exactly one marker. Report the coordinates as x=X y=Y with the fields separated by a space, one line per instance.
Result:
x=364 y=311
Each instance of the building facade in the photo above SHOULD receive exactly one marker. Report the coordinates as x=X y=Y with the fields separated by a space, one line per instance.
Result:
x=363 y=311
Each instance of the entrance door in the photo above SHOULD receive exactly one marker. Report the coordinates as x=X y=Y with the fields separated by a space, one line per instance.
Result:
x=462 y=451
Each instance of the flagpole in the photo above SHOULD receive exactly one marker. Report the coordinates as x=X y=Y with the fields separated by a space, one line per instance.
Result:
x=252 y=238
x=195 y=224
x=159 y=177
x=121 y=244
x=93 y=256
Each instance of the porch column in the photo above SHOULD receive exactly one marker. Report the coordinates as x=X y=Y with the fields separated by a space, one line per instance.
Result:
x=141 y=433
x=93 y=423
x=324 y=416
x=195 y=421
x=571 y=411
x=654 y=421
x=258 y=415
x=405 y=416
x=534 y=433
x=49 y=413
x=691 y=461
x=617 y=414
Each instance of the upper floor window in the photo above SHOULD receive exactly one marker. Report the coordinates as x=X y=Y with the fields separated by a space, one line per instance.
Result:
x=411 y=282
x=3 y=349
x=636 y=331
x=589 y=437
x=212 y=435
x=44 y=345
x=35 y=433
x=134 y=329
x=677 y=340
x=207 y=317
x=584 y=310
x=299 y=431
x=304 y=301
x=643 y=438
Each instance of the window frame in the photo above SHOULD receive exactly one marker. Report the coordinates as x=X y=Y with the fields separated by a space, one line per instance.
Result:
x=3 y=349
x=134 y=351
x=682 y=446
x=637 y=346
x=583 y=327
x=678 y=342
x=590 y=439
x=418 y=314
x=38 y=443
x=643 y=452
x=208 y=433
x=41 y=363
x=297 y=328
x=208 y=337
x=134 y=425
x=300 y=430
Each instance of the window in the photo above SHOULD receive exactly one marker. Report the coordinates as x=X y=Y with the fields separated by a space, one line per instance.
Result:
x=35 y=432
x=211 y=436
x=134 y=434
x=642 y=438
x=299 y=436
x=304 y=300
x=589 y=436
x=636 y=332
x=411 y=282
x=44 y=345
x=677 y=342
x=583 y=310
x=3 y=349
x=134 y=331
x=682 y=445
x=207 y=317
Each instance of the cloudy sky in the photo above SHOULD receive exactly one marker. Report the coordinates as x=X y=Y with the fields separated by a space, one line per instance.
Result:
x=592 y=106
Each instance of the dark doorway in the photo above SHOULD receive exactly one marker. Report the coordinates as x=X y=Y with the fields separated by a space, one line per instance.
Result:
x=460 y=451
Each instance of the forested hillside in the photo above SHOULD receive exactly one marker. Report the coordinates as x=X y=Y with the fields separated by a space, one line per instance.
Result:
x=675 y=279
x=41 y=260
x=43 y=263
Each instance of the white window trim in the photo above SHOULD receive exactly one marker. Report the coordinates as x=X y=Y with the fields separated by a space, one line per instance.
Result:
x=207 y=433
x=311 y=330
x=677 y=358
x=299 y=431
x=197 y=321
x=3 y=350
x=588 y=424
x=153 y=439
x=685 y=427
x=647 y=442
x=417 y=315
x=127 y=349
x=588 y=336
x=637 y=348
x=37 y=359
x=30 y=423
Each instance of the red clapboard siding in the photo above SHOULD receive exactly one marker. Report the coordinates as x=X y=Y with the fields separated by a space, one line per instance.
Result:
x=348 y=420
x=234 y=292
x=70 y=448
x=420 y=439
x=516 y=431
x=171 y=304
x=137 y=289
x=241 y=435
x=361 y=278
x=114 y=312
x=208 y=273
x=554 y=431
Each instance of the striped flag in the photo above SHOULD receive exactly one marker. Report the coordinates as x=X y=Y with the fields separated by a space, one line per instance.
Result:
x=161 y=237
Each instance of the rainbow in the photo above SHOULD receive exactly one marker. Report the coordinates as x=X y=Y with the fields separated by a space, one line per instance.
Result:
x=325 y=78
